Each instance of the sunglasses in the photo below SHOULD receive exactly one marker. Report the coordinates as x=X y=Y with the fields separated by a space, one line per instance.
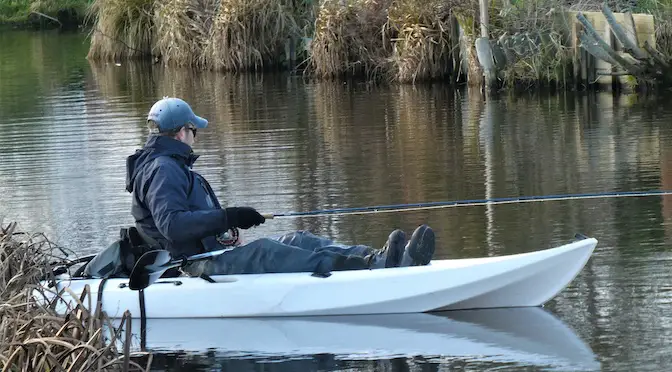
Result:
x=192 y=129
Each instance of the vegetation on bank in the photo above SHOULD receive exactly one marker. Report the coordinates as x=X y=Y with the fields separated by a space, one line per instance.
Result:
x=393 y=40
x=43 y=13
x=34 y=336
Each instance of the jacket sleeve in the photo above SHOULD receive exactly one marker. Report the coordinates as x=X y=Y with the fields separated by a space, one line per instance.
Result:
x=166 y=199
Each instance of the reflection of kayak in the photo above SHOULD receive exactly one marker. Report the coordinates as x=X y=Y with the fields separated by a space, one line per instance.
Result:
x=527 y=279
x=529 y=336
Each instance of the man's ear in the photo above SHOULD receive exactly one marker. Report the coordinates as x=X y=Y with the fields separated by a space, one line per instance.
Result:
x=180 y=134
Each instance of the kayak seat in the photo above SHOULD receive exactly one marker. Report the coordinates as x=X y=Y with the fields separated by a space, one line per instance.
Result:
x=118 y=259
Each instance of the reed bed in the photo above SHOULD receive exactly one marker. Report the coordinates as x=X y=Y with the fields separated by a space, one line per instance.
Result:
x=250 y=34
x=182 y=28
x=405 y=41
x=34 y=337
x=122 y=29
x=424 y=45
x=350 y=39
x=548 y=62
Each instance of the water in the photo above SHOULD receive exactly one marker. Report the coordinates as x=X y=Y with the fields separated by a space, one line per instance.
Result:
x=279 y=143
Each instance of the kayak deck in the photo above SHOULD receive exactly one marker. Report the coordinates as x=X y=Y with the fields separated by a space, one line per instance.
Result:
x=520 y=280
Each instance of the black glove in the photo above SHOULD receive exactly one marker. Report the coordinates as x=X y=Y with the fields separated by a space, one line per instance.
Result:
x=243 y=217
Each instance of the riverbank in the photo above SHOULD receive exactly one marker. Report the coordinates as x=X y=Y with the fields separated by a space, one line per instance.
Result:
x=523 y=44
x=43 y=14
x=34 y=334
x=519 y=44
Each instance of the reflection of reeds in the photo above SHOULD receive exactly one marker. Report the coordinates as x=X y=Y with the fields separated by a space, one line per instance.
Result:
x=129 y=80
x=250 y=34
x=349 y=39
x=182 y=29
x=121 y=29
x=34 y=336
x=420 y=110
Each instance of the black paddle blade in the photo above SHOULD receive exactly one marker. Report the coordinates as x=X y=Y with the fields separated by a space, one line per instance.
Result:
x=149 y=269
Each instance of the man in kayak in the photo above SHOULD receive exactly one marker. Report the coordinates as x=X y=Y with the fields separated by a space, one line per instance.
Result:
x=176 y=209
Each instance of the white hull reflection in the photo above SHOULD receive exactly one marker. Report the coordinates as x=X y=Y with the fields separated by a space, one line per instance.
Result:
x=524 y=336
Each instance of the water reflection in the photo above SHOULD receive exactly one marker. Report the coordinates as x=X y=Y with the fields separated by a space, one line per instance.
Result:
x=487 y=338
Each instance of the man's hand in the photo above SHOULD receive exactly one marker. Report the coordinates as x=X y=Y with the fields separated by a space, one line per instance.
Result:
x=244 y=217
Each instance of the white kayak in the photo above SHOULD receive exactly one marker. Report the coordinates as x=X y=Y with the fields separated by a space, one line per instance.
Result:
x=524 y=336
x=519 y=280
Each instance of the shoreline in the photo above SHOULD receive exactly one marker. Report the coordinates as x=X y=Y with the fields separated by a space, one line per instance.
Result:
x=43 y=15
x=382 y=41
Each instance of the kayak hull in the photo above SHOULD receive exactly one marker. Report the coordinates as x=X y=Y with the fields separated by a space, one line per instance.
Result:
x=521 y=280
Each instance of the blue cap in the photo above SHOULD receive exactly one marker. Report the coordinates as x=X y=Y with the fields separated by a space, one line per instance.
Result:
x=173 y=113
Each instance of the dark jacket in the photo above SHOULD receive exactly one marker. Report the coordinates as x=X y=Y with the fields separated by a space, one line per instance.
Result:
x=171 y=203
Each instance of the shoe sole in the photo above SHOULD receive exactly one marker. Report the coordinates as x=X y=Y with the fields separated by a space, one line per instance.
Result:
x=422 y=237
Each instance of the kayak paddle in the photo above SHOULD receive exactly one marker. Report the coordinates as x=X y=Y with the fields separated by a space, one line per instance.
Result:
x=153 y=264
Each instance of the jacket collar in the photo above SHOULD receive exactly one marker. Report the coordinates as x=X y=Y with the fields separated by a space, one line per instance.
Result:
x=172 y=147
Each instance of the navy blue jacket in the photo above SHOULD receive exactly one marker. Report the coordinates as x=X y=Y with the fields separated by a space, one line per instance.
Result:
x=171 y=203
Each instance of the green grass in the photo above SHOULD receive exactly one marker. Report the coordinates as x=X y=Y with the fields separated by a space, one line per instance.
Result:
x=662 y=13
x=18 y=11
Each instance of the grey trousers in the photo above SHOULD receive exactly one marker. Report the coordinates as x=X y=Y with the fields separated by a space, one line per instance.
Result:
x=299 y=251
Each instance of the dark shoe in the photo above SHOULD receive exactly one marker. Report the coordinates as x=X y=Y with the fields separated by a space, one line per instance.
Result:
x=391 y=253
x=420 y=248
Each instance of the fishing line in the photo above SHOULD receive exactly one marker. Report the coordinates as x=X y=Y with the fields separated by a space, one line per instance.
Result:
x=464 y=203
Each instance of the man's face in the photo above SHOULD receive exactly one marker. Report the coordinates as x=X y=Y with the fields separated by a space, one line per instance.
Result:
x=187 y=135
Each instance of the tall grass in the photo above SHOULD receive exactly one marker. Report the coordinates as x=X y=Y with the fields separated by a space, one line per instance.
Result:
x=182 y=28
x=662 y=13
x=34 y=337
x=548 y=63
x=423 y=46
x=121 y=29
x=19 y=11
x=350 y=39
x=404 y=40
x=250 y=34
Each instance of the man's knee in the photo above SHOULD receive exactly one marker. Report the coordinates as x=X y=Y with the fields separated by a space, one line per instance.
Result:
x=262 y=243
x=294 y=238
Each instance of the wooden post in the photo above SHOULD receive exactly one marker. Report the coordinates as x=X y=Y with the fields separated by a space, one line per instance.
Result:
x=483 y=4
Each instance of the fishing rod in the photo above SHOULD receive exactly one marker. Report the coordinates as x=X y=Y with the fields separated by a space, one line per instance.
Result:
x=463 y=203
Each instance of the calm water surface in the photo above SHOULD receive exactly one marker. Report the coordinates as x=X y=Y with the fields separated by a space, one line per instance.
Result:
x=281 y=144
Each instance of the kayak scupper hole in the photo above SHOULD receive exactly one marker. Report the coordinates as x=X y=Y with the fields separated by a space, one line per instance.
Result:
x=225 y=280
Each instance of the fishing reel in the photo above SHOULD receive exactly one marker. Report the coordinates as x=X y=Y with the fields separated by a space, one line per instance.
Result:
x=230 y=237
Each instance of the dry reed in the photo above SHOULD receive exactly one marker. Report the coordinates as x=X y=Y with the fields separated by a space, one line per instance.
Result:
x=547 y=58
x=37 y=338
x=350 y=39
x=250 y=35
x=182 y=28
x=662 y=13
x=121 y=29
x=423 y=46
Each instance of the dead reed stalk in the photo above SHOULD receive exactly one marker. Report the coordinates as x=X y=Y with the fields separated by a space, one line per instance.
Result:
x=423 y=46
x=540 y=54
x=34 y=337
x=182 y=28
x=250 y=35
x=121 y=29
x=350 y=39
